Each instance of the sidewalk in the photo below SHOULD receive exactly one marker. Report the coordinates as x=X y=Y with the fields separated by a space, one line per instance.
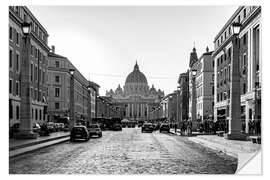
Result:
x=21 y=146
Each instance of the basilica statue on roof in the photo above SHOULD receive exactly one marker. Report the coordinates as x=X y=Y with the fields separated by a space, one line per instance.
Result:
x=135 y=100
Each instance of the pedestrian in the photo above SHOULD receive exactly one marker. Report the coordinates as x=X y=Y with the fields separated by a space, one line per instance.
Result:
x=175 y=127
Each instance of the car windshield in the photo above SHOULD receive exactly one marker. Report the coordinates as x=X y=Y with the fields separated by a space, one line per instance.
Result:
x=166 y=125
x=147 y=124
x=93 y=126
x=78 y=129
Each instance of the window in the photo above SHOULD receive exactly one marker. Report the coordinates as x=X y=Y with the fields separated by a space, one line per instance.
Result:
x=244 y=60
x=229 y=30
x=213 y=77
x=225 y=34
x=17 y=88
x=213 y=90
x=10 y=86
x=40 y=114
x=17 y=62
x=244 y=88
x=221 y=59
x=56 y=105
x=245 y=39
x=17 y=38
x=213 y=63
x=57 y=64
x=217 y=97
x=36 y=71
x=36 y=114
x=17 y=112
x=10 y=58
x=239 y=18
x=10 y=33
x=31 y=72
x=221 y=39
x=245 y=13
x=36 y=94
x=57 y=79
x=229 y=53
x=57 y=91
x=32 y=113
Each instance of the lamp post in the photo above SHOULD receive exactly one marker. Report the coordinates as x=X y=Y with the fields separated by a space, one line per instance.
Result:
x=193 y=103
x=72 y=119
x=26 y=129
x=235 y=96
x=89 y=118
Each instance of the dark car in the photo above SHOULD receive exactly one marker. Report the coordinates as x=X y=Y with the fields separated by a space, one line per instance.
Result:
x=117 y=127
x=14 y=129
x=79 y=132
x=94 y=129
x=147 y=127
x=164 y=127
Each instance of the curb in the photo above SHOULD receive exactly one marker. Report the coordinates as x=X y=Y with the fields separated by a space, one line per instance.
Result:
x=31 y=148
x=37 y=142
x=227 y=151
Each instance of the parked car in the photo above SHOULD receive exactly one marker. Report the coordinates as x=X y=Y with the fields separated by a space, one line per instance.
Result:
x=61 y=126
x=51 y=126
x=147 y=127
x=66 y=128
x=117 y=127
x=164 y=127
x=14 y=129
x=94 y=129
x=36 y=128
x=79 y=132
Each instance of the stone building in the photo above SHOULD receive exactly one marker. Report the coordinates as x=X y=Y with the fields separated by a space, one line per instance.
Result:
x=38 y=65
x=135 y=100
x=250 y=65
x=59 y=88
x=205 y=86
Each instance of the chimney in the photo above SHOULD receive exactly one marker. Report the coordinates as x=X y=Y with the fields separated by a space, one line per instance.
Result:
x=53 y=49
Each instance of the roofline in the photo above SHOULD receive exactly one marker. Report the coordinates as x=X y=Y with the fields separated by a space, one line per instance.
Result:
x=229 y=22
x=28 y=10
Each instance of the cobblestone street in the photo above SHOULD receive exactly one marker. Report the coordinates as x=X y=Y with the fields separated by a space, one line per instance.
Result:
x=125 y=152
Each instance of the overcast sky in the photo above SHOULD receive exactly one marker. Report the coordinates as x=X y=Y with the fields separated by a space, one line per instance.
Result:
x=106 y=41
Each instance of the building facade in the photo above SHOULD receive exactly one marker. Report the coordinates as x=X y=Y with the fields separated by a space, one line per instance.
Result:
x=136 y=99
x=38 y=65
x=250 y=66
x=58 y=84
x=205 y=86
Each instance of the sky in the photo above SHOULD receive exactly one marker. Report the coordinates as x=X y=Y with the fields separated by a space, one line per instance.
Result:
x=104 y=42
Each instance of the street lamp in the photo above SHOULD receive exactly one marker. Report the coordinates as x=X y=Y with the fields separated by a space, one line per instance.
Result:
x=194 y=72
x=26 y=28
x=193 y=98
x=26 y=129
x=236 y=28
x=235 y=96
x=89 y=104
x=72 y=118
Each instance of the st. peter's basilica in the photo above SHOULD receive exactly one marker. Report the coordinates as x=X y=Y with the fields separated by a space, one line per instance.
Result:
x=136 y=100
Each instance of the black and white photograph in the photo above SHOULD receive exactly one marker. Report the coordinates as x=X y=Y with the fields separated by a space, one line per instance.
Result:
x=133 y=89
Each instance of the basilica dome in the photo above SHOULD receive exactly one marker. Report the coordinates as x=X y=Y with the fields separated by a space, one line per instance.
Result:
x=136 y=76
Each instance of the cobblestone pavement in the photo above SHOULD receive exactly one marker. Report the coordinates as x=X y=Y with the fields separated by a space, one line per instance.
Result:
x=125 y=152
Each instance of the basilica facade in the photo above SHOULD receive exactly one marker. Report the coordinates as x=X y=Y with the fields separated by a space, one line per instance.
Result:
x=136 y=99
